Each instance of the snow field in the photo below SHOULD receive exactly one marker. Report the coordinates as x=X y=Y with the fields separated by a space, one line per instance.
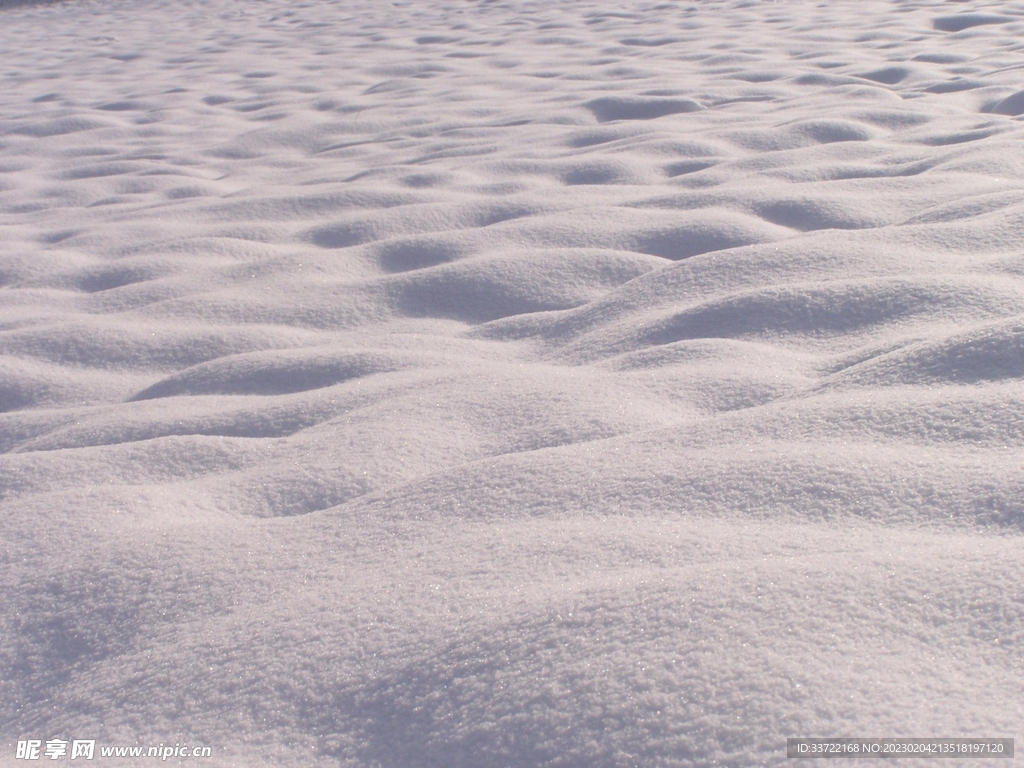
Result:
x=517 y=384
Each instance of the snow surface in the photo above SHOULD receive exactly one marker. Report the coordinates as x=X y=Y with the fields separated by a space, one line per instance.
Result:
x=509 y=383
